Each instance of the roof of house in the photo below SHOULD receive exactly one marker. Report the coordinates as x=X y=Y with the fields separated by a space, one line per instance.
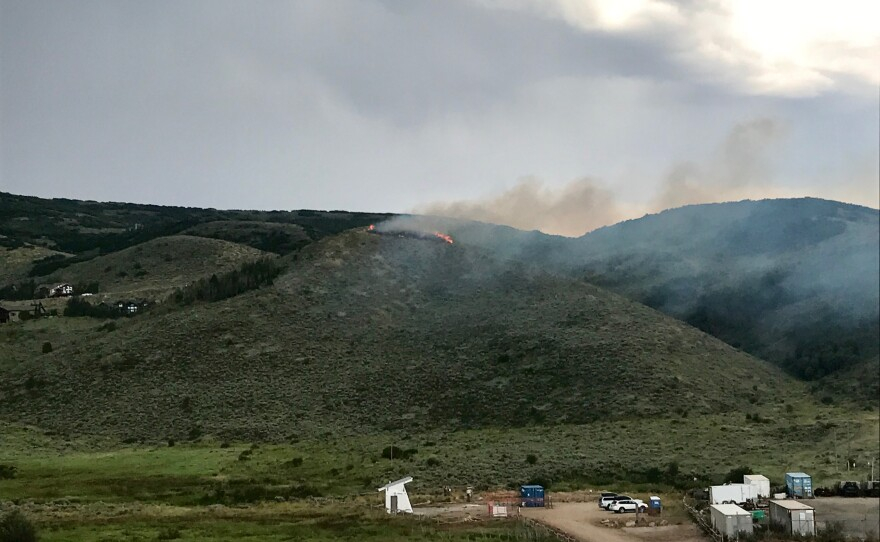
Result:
x=756 y=477
x=791 y=504
x=402 y=481
x=731 y=510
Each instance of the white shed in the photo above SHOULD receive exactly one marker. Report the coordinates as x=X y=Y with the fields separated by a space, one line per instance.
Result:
x=794 y=516
x=761 y=482
x=396 y=499
x=731 y=520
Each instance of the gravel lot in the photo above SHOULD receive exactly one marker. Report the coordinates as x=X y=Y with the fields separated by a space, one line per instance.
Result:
x=859 y=516
x=582 y=521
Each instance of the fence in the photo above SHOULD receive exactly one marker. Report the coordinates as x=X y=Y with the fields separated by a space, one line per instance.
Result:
x=704 y=523
x=541 y=526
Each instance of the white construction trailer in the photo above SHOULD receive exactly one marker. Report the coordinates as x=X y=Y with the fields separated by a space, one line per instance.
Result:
x=396 y=499
x=732 y=493
x=761 y=482
x=731 y=520
x=794 y=516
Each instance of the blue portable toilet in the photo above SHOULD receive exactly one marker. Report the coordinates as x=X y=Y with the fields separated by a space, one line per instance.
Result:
x=654 y=505
x=799 y=485
x=532 y=496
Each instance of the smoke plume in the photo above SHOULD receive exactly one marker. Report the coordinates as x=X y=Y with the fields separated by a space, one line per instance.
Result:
x=741 y=169
x=580 y=206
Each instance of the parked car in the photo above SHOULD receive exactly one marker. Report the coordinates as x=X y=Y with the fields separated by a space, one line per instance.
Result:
x=628 y=505
x=606 y=498
x=612 y=500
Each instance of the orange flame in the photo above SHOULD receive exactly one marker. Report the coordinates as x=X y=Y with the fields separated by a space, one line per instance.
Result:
x=444 y=237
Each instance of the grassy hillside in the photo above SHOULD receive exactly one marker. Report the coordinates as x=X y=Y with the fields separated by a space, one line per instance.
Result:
x=268 y=236
x=368 y=333
x=153 y=269
x=792 y=281
x=15 y=263
x=86 y=229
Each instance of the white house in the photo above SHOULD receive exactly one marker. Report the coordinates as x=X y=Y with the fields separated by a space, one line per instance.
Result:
x=396 y=499
x=61 y=290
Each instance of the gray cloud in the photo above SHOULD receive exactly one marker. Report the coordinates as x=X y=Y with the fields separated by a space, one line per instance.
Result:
x=378 y=105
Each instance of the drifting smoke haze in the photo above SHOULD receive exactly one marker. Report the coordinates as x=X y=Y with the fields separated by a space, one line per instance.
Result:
x=579 y=206
x=741 y=168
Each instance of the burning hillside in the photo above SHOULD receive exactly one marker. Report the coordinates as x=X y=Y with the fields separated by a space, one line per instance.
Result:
x=414 y=234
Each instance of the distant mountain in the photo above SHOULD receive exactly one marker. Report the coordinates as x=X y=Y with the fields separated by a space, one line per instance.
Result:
x=69 y=231
x=793 y=281
x=368 y=333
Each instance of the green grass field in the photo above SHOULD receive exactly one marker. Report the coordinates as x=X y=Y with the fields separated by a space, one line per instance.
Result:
x=279 y=523
x=562 y=457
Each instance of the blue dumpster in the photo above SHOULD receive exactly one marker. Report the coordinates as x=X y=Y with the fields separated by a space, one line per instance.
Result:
x=798 y=485
x=531 y=496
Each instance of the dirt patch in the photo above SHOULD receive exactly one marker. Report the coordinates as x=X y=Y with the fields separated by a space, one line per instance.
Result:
x=583 y=521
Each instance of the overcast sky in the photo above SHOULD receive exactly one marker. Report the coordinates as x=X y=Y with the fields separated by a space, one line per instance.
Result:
x=509 y=110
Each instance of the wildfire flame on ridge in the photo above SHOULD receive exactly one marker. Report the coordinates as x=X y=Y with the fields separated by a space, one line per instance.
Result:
x=418 y=235
x=443 y=236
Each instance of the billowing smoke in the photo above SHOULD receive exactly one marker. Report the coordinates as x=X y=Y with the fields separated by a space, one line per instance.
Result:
x=579 y=206
x=742 y=169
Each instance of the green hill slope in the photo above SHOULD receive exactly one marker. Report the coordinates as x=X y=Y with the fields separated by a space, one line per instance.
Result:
x=153 y=269
x=791 y=281
x=269 y=236
x=369 y=333
x=86 y=229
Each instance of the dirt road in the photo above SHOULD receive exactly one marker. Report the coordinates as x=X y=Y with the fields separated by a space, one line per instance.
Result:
x=583 y=522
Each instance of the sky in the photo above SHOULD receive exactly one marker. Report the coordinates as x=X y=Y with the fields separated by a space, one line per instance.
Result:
x=559 y=115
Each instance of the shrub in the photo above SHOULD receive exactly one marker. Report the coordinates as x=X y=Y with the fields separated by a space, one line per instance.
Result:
x=15 y=527
x=296 y=462
x=736 y=475
x=393 y=452
x=169 y=533
x=432 y=462
x=531 y=459
x=170 y=442
x=47 y=347
x=7 y=472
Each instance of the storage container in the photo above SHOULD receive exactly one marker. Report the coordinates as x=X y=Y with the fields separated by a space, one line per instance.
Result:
x=531 y=495
x=798 y=484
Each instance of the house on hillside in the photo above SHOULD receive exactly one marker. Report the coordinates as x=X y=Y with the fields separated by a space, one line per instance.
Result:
x=396 y=499
x=62 y=290
x=15 y=313
x=130 y=308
